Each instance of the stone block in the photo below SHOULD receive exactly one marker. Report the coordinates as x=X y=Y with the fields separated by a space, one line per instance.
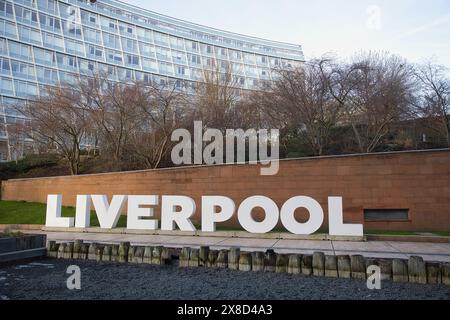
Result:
x=92 y=251
x=417 y=270
x=331 y=266
x=99 y=253
x=203 y=256
x=222 y=259
x=147 y=259
x=270 y=261
x=84 y=251
x=166 y=256
x=106 y=256
x=258 y=261
x=281 y=263
x=400 y=270
x=433 y=272
x=358 y=266
x=68 y=251
x=318 y=264
x=131 y=251
x=61 y=249
x=156 y=255
x=307 y=264
x=233 y=258
x=52 y=249
x=184 y=257
x=194 y=258
x=445 y=273
x=212 y=258
x=124 y=247
x=77 y=249
x=344 y=266
x=138 y=256
x=115 y=253
x=294 y=264
x=245 y=261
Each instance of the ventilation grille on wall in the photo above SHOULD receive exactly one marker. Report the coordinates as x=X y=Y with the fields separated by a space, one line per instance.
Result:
x=386 y=214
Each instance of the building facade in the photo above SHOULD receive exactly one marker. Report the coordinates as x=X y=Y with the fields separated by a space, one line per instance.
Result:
x=49 y=42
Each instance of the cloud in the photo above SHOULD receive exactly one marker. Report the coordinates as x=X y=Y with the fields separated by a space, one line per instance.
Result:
x=442 y=20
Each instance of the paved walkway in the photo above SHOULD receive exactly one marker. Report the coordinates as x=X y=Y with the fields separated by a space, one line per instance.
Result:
x=375 y=249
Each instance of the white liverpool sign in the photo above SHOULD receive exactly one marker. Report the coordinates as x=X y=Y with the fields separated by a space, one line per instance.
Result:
x=177 y=211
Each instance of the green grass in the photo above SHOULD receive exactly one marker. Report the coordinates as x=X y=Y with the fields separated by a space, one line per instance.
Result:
x=443 y=233
x=19 y=212
x=390 y=232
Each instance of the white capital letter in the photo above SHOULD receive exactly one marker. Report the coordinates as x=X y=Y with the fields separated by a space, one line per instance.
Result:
x=108 y=215
x=315 y=215
x=336 y=220
x=53 y=216
x=135 y=213
x=83 y=212
x=209 y=214
x=270 y=220
x=171 y=217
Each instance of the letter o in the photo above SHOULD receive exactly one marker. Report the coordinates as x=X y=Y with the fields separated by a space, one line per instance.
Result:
x=245 y=214
x=316 y=215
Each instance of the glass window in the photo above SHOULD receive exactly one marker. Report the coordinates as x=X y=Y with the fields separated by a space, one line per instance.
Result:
x=6 y=9
x=161 y=39
x=21 y=51
x=22 y=70
x=26 y=15
x=46 y=75
x=147 y=50
x=132 y=60
x=29 y=34
x=53 y=41
x=3 y=48
x=177 y=43
x=50 y=23
x=149 y=64
x=8 y=29
x=129 y=45
x=94 y=52
x=6 y=86
x=163 y=53
x=111 y=40
x=5 y=66
x=144 y=34
x=45 y=57
x=92 y=35
x=67 y=62
x=72 y=29
x=126 y=30
x=74 y=47
x=25 y=89
x=114 y=57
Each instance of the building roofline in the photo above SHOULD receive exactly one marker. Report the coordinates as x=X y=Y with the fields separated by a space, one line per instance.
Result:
x=197 y=25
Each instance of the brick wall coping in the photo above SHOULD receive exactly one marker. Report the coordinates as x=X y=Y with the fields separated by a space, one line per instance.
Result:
x=241 y=164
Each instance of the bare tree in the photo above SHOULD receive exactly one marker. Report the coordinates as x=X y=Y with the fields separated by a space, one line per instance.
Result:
x=113 y=109
x=217 y=99
x=59 y=122
x=162 y=108
x=299 y=103
x=373 y=92
x=17 y=136
x=434 y=100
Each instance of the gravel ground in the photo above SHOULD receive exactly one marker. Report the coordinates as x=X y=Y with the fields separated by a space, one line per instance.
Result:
x=46 y=279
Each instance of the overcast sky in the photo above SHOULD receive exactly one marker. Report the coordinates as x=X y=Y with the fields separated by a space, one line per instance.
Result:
x=415 y=29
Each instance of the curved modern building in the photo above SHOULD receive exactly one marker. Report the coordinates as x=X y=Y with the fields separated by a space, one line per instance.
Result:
x=48 y=42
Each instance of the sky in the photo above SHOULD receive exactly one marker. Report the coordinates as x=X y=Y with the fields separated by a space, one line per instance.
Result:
x=414 y=29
